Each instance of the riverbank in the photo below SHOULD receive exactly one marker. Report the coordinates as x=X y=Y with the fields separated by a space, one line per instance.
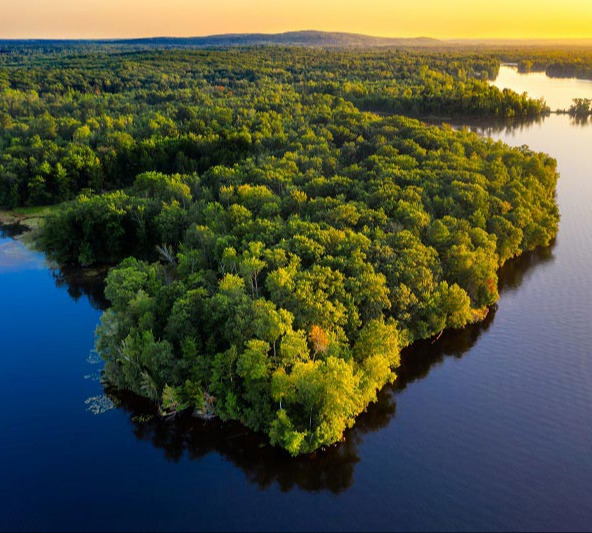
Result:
x=31 y=217
x=23 y=223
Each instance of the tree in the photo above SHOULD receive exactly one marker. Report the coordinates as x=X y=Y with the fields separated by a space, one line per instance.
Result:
x=319 y=340
x=251 y=265
x=269 y=324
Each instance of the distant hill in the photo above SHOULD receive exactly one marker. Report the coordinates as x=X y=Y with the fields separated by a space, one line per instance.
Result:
x=312 y=38
x=295 y=38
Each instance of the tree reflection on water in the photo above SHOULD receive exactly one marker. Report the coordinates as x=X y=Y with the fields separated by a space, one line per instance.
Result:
x=330 y=469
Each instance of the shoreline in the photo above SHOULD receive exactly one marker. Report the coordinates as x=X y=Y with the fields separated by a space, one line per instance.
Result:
x=23 y=223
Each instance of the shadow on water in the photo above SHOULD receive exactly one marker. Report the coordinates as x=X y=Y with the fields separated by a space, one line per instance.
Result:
x=514 y=272
x=81 y=282
x=11 y=230
x=510 y=127
x=490 y=126
x=330 y=469
x=421 y=358
x=327 y=470
x=580 y=120
x=262 y=464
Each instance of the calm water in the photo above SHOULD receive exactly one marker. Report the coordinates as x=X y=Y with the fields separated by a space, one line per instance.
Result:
x=490 y=428
x=557 y=92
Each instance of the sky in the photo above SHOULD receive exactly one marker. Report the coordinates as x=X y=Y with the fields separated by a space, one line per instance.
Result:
x=389 y=18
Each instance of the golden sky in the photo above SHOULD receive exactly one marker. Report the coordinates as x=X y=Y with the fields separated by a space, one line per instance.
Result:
x=396 y=18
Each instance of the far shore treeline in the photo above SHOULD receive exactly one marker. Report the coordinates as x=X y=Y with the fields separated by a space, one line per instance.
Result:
x=280 y=231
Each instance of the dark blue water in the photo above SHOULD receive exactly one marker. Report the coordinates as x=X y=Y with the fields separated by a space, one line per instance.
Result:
x=490 y=428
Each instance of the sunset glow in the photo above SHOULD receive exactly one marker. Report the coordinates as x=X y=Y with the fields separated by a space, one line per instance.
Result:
x=433 y=18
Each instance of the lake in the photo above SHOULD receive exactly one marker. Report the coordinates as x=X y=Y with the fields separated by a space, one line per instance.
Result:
x=557 y=92
x=489 y=428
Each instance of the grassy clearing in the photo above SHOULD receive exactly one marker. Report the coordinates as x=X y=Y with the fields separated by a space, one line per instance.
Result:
x=29 y=217
x=35 y=212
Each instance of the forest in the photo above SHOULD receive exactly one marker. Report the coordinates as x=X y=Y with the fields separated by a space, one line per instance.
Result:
x=74 y=120
x=278 y=230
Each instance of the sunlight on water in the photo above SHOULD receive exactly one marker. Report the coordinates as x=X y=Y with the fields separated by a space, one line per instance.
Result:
x=14 y=256
x=557 y=92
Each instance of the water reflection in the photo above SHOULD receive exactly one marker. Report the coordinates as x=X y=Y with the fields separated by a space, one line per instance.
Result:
x=14 y=255
x=557 y=92
x=509 y=127
x=504 y=126
x=262 y=464
x=580 y=120
x=331 y=469
x=421 y=358
x=11 y=230
x=81 y=282
x=490 y=126
x=514 y=272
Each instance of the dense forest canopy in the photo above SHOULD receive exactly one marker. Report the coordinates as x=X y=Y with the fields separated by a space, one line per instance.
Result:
x=278 y=244
x=73 y=120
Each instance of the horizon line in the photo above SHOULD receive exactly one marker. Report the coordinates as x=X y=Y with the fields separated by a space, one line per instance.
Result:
x=274 y=34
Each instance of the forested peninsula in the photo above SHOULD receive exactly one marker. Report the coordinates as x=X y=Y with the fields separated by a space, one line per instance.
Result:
x=279 y=231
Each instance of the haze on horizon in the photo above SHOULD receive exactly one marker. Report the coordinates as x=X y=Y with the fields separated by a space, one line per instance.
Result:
x=500 y=19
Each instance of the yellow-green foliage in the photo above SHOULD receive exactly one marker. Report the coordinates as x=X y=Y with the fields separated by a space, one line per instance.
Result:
x=286 y=245
x=290 y=318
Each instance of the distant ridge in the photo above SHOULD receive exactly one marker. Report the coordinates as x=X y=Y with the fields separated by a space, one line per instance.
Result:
x=294 y=38
x=311 y=38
